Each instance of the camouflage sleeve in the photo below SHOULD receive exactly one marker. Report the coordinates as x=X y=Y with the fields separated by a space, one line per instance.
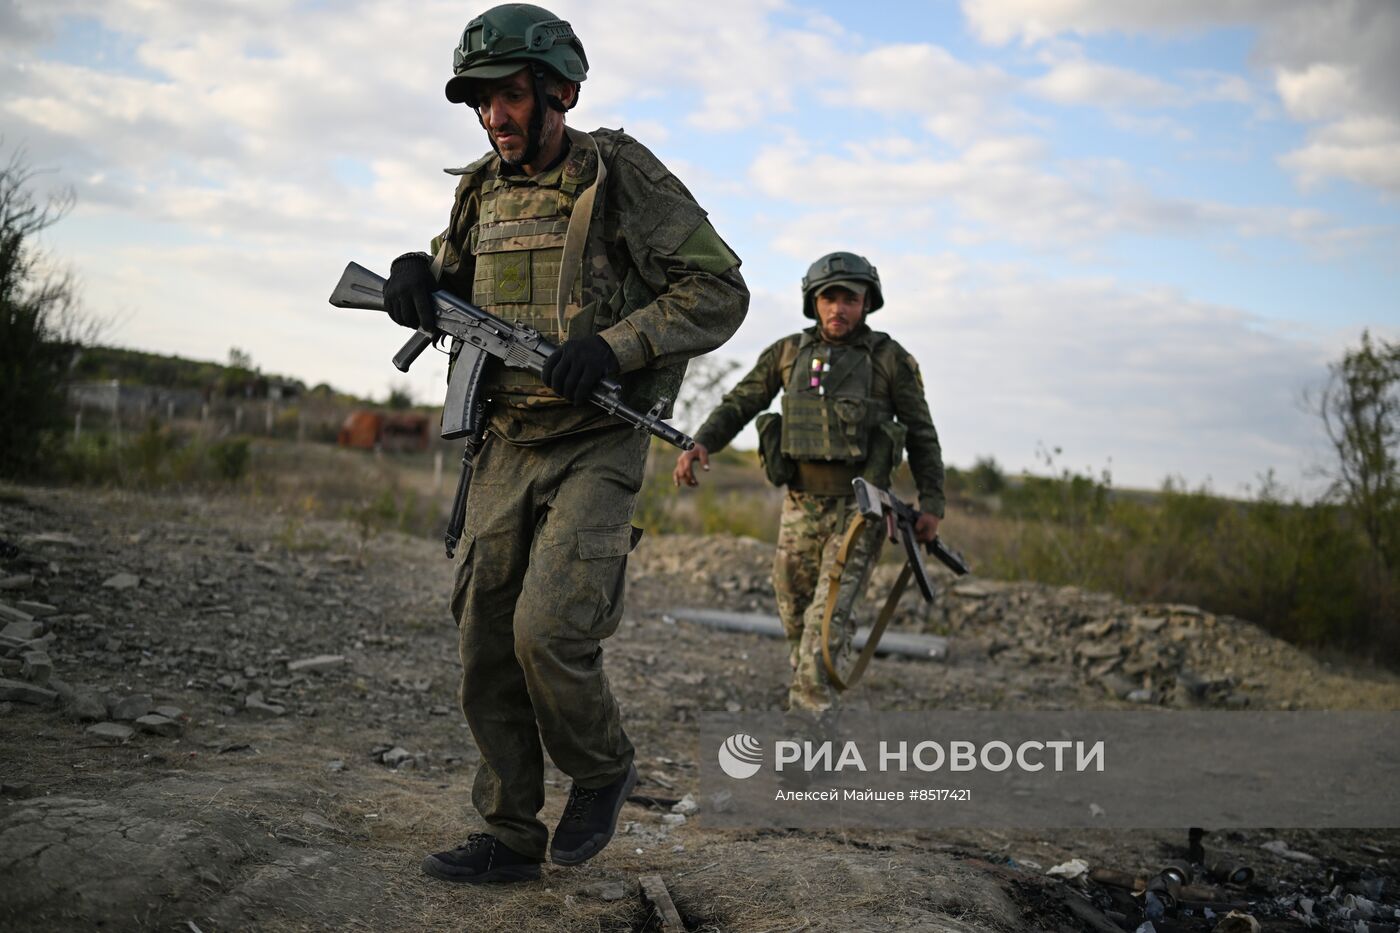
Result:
x=925 y=453
x=742 y=403
x=458 y=263
x=701 y=298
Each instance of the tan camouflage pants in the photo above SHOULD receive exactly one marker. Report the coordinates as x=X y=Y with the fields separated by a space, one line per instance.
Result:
x=809 y=537
x=539 y=584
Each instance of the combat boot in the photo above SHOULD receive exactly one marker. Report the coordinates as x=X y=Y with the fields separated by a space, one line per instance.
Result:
x=482 y=859
x=589 y=820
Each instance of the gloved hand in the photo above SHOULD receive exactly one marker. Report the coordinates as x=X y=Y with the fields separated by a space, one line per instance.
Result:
x=408 y=295
x=575 y=368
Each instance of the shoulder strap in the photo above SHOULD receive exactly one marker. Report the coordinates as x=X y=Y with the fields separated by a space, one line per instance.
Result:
x=576 y=237
x=787 y=357
x=466 y=178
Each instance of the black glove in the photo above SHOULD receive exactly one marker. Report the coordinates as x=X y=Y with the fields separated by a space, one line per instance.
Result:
x=575 y=368
x=408 y=295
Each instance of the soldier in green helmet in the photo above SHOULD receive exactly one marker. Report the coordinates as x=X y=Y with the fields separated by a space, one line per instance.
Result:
x=591 y=240
x=853 y=401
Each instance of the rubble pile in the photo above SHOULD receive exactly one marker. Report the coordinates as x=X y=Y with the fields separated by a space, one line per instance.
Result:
x=1156 y=654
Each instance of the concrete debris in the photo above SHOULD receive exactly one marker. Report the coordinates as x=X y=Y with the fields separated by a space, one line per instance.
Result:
x=686 y=806
x=130 y=708
x=170 y=712
x=1280 y=848
x=18 y=581
x=673 y=819
x=335 y=765
x=111 y=731
x=52 y=537
x=37 y=667
x=159 y=725
x=85 y=706
x=21 y=692
x=122 y=581
x=396 y=756
x=320 y=662
x=35 y=609
x=23 y=630
x=255 y=704
x=14 y=614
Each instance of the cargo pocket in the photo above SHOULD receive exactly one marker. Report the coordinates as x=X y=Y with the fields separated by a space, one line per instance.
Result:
x=607 y=541
x=462 y=576
x=603 y=554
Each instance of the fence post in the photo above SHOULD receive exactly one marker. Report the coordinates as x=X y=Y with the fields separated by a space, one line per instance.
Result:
x=301 y=427
x=237 y=418
x=437 y=471
x=78 y=424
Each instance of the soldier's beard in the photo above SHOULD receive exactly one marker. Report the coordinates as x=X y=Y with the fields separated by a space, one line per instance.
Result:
x=534 y=136
x=829 y=337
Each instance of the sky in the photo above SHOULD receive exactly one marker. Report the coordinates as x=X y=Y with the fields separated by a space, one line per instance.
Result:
x=1136 y=233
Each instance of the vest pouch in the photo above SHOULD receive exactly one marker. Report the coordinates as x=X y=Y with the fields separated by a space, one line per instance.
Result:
x=778 y=466
x=886 y=446
x=851 y=414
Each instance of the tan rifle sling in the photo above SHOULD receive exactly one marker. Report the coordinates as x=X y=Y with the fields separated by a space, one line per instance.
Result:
x=576 y=237
x=833 y=591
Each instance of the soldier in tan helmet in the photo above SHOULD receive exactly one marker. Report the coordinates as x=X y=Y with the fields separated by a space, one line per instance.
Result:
x=853 y=401
x=646 y=284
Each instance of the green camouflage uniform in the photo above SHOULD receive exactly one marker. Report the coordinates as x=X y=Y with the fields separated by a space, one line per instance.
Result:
x=838 y=401
x=541 y=566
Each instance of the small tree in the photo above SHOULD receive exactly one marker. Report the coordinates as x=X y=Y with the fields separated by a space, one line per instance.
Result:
x=40 y=324
x=706 y=380
x=1360 y=408
x=400 y=397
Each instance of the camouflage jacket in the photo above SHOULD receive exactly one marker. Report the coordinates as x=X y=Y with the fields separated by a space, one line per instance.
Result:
x=657 y=282
x=897 y=380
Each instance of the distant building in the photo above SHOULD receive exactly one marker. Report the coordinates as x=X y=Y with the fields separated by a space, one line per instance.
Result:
x=393 y=431
x=118 y=398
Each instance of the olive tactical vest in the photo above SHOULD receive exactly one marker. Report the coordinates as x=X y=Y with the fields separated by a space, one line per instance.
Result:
x=518 y=243
x=835 y=397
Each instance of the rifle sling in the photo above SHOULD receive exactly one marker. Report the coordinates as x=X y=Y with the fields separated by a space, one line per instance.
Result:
x=576 y=237
x=833 y=590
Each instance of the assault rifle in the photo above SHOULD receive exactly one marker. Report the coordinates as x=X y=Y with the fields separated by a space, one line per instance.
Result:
x=874 y=504
x=899 y=518
x=481 y=334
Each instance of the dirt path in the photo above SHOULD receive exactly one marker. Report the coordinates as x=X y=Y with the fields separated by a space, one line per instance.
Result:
x=271 y=806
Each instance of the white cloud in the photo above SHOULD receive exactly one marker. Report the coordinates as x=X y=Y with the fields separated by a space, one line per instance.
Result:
x=1156 y=382
x=1002 y=21
x=999 y=189
x=1335 y=64
x=1085 y=82
x=955 y=100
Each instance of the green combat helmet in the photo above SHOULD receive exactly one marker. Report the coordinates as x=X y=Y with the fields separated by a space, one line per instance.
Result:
x=508 y=37
x=846 y=269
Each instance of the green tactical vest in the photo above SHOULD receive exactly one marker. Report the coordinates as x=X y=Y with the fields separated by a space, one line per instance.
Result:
x=829 y=406
x=518 y=243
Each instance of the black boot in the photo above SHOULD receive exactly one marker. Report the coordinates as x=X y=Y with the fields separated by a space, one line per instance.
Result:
x=589 y=820
x=483 y=858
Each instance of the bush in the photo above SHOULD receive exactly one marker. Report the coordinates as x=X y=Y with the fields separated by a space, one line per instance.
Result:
x=155 y=458
x=39 y=325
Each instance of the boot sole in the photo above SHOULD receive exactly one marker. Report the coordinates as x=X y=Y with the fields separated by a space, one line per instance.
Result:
x=505 y=873
x=599 y=841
